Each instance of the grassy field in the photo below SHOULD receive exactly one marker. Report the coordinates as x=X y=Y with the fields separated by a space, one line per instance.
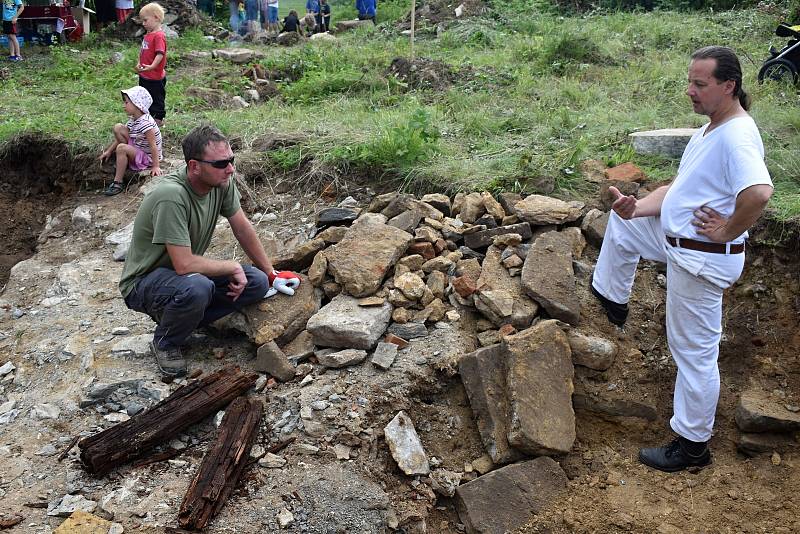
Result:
x=532 y=95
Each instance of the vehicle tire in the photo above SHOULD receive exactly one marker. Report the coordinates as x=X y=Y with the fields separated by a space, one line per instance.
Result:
x=778 y=70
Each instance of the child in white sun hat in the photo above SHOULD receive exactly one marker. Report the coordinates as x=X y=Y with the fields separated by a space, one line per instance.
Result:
x=137 y=143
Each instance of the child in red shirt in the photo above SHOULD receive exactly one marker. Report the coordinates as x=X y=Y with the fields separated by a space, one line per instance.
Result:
x=153 y=59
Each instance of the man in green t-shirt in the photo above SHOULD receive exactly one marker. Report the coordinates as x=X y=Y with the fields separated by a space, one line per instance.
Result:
x=166 y=275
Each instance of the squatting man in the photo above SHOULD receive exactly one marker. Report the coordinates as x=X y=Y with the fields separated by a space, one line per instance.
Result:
x=697 y=225
x=166 y=275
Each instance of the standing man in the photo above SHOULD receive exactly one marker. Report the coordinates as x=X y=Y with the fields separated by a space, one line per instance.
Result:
x=166 y=275
x=697 y=225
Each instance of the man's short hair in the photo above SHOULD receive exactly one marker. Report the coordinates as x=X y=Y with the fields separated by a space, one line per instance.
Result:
x=728 y=68
x=154 y=9
x=195 y=143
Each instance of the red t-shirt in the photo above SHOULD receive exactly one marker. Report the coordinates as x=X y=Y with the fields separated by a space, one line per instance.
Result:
x=153 y=44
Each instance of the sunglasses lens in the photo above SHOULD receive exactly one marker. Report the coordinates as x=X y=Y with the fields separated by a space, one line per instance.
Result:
x=221 y=163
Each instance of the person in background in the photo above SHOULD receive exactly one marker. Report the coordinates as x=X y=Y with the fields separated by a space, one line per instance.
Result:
x=269 y=15
x=137 y=143
x=291 y=23
x=312 y=6
x=11 y=10
x=366 y=10
x=153 y=59
x=251 y=16
x=106 y=13
x=124 y=10
x=209 y=7
x=323 y=17
x=233 y=5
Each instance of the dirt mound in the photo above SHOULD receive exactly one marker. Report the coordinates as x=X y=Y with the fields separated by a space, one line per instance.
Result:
x=422 y=73
x=437 y=11
x=180 y=16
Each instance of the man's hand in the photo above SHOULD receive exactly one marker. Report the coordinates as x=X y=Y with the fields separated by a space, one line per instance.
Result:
x=237 y=283
x=624 y=206
x=709 y=223
x=284 y=281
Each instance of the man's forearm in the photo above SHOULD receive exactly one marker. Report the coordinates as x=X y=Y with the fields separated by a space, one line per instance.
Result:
x=207 y=266
x=749 y=205
x=650 y=205
x=246 y=236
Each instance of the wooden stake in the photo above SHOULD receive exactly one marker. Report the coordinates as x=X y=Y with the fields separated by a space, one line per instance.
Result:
x=413 y=23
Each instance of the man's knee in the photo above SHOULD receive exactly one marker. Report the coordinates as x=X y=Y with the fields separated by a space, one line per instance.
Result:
x=196 y=293
x=257 y=280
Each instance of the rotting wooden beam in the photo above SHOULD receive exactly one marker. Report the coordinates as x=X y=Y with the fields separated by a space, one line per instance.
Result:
x=223 y=464
x=189 y=404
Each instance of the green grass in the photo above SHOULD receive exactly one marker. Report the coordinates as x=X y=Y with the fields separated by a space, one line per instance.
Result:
x=533 y=95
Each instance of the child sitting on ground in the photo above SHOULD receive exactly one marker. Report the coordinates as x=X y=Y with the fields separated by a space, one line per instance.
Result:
x=137 y=143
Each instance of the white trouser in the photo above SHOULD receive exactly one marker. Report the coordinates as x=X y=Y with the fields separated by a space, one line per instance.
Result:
x=695 y=281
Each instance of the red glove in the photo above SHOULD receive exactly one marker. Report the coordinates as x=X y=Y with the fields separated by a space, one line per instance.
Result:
x=284 y=281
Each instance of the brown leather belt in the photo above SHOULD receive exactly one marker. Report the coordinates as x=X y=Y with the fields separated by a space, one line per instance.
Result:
x=703 y=246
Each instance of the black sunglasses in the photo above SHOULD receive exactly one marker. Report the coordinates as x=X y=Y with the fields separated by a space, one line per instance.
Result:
x=218 y=163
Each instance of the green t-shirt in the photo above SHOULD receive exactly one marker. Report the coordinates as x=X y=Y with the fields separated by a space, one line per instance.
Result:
x=174 y=214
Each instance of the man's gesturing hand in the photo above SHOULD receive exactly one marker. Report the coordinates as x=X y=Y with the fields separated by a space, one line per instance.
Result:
x=236 y=283
x=624 y=206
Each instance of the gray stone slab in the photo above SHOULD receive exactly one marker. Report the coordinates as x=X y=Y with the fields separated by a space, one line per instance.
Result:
x=506 y=499
x=405 y=445
x=669 y=142
x=271 y=359
x=384 y=355
x=408 y=331
x=342 y=358
x=548 y=278
x=343 y=323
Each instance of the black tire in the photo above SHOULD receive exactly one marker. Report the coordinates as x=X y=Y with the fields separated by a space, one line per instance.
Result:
x=778 y=70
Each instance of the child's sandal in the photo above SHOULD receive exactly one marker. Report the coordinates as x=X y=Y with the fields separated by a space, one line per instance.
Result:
x=114 y=188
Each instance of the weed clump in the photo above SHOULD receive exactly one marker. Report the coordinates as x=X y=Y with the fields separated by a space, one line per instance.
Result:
x=569 y=51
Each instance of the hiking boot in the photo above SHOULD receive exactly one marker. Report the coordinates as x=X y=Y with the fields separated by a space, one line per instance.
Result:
x=675 y=456
x=617 y=313
x=170 y=361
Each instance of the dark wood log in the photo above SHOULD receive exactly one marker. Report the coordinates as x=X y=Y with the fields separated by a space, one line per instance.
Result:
x=137 y=436
x=222 y=465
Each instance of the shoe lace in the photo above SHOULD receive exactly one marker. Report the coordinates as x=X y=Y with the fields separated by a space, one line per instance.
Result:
x=673 y=447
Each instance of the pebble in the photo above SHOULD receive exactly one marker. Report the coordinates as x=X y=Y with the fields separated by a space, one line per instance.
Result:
x=342 y=451
x=257 y=451
x=47 y=450
x=261 y=382
x=306 y=380
x=120 y=331
x=272 y=461
x=285 y=518
x=319 y=405
x=177 y=463
x=7 y=368
x=17 y=313
x=133 y=408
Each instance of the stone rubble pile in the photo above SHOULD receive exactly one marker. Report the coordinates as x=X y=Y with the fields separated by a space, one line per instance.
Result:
x=375 y=279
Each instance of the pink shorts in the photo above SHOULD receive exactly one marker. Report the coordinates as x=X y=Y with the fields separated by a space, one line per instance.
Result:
x=140 y=161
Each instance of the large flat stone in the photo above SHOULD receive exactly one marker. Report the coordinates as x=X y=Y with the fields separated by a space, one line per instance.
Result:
x=495 y=278
x=483 y=373
x=360 y=261
x=548 y=278
x=757 y=412
x=343 y=323
x=505 y=499
x=540 y=390
x=279 y=318
x=542 y=210
x=669 y=142
x=484 y=238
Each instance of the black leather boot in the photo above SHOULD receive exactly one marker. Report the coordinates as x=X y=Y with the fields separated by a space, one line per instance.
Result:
x=676 y=456
x=617 y=313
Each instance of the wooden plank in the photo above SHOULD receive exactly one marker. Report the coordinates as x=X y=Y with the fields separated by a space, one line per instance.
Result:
x=222 y=465
x=189 y=404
